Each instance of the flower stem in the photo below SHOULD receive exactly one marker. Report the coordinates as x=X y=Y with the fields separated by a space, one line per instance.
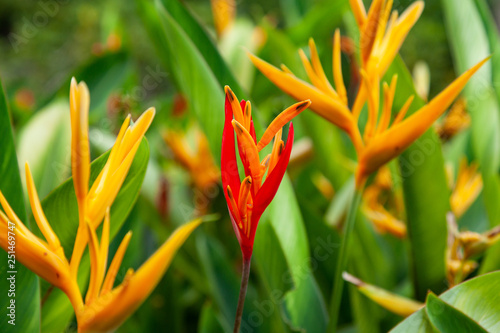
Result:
x=243 y=291
x=336 y=296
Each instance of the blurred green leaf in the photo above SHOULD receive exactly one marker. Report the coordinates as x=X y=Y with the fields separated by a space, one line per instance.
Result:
x=426 y=195
x=102 y=75
x=208 y=320
x=27 y=293
x=448 y=319
x=478 y=298
x=271 y=259
x=222 y=280
x=61 y=209
x=44 y=143
x=286 y=219
x=320 y=21
x=469 y=44
x=205 y=45
x=195 y=79
x=494 y=40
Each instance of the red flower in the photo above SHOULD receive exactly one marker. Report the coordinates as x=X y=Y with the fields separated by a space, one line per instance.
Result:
x=247 y=199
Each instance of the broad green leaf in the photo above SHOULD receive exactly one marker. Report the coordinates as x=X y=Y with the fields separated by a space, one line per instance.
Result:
x=478 y=299
x=27 y=294
x=205 y=45
x=61 y=209
x=494 y=40
x=195 y=79
x=222 y=280
x=271 y=264
x=270 y=259
x=448 y=319
x=44 y=143
x=426 y=195
x=284 y=215
x=469 y=44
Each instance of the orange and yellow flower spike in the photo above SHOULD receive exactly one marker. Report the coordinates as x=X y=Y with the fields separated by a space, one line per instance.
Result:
x=397 y=138
x=103 y=308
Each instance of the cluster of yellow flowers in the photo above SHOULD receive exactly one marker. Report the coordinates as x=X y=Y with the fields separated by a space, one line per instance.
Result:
x=104 y=307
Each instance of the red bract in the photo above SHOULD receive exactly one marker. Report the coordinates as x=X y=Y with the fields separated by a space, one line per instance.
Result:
x=247 y=199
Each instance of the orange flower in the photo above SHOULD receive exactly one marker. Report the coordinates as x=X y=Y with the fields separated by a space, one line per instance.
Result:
x=104 y=307
x=381 y=38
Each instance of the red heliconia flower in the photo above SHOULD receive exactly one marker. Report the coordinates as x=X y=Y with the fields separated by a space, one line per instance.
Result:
x=247 y=199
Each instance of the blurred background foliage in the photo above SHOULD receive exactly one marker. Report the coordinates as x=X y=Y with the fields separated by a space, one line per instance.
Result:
x=127 y=53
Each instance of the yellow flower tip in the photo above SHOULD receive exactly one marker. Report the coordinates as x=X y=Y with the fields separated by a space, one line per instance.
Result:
x=395 y=303
x=80 y=150
x=229 y=92
x=359 y=11
x=418 y=7
x=237 y=126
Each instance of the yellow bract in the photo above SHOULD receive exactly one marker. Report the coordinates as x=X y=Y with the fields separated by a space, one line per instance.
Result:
x=395 y=303
x=104 y=307
x=467 y=188
x=381 y=36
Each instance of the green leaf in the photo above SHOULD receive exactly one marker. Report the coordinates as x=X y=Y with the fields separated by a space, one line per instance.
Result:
x=61 y=210
x=469 y=44
x=448 y=319
x=27 y=295
x=271 y=260
x=195 y=79
x=222 y=280
x=320 y=21
x=208 y=320
x=205 y=45
x=478 y=298
x=44 y=143
x=494 y=40
x=284 y=215
x=426 y=195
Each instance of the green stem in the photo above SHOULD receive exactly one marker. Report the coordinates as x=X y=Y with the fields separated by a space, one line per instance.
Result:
x=243 y=291
x=342 y=260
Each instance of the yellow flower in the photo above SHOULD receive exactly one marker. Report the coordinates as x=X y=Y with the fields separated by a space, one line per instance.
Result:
x=200 y=164
x=104 y=307
x=375 y=211
x=467 y=188
x=224 y=12
x=381 y=38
